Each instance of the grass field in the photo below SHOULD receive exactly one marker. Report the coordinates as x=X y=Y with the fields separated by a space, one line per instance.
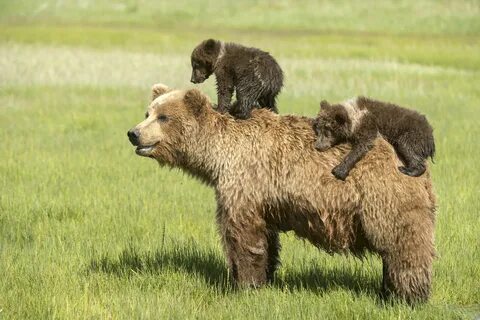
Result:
x=90 y=230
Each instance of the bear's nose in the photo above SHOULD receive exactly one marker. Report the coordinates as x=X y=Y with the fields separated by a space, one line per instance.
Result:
x=133 y=136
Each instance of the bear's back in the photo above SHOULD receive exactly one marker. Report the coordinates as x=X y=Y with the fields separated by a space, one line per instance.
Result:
x=287 y=161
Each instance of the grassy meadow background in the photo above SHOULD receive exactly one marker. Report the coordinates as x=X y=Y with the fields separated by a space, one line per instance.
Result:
x=90 y=230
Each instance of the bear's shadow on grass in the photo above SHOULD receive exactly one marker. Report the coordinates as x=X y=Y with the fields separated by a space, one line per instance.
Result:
x=209 y=265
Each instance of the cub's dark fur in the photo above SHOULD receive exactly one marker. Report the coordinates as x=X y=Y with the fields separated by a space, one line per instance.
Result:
x=358 y=121
x=254 y=75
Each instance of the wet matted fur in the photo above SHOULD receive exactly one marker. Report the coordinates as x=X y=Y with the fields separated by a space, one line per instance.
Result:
x=358 y=121
x=253 y=74
x=269 y=178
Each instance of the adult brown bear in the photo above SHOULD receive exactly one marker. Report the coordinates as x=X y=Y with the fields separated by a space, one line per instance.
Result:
x=268 y=178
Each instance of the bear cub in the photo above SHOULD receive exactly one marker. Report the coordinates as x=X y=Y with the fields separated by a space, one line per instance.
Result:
x=253 y=74
x=358 y=122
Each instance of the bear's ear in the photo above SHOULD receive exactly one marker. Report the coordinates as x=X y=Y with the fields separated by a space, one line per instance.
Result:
x=210 y=45
x=196 y=101
x=324 y=105
x=341 y=116
x=159 y=89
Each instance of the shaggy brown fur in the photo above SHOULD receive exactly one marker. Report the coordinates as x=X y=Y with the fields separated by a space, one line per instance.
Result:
x=359 y=121
x=253 y=74
x=269 y=178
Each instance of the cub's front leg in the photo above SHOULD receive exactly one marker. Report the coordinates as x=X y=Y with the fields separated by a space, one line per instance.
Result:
x=225 y=88
x=341 y=171
x=362 y=142
x=356 y=154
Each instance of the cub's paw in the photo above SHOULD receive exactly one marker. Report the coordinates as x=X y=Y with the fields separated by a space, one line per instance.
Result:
x=242 y=115
x=412 y=172
x=340 y=172
x=221 y=109
x=404 y=170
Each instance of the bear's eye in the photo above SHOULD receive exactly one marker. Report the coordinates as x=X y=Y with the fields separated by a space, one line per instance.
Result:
x=328 y=126
x=162 y=118
x=146 y=115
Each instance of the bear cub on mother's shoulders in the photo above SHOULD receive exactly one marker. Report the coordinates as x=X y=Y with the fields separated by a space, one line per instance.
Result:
x=253 y=74
x=358 y=121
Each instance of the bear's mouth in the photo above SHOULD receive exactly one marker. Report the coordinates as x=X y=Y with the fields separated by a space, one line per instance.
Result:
x=145 y=151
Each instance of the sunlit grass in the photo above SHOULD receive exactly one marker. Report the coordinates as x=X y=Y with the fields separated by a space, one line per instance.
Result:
x=455 y=51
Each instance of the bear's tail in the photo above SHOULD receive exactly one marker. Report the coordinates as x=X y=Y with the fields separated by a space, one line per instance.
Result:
x=430 y=150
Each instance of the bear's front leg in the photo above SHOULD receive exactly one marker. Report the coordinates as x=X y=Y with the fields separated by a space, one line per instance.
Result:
x=341 y=171
x=225 y=88
x=359 y=150
x=246 y=242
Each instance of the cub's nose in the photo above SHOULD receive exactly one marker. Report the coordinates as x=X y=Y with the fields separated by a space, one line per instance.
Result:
x=133 y=136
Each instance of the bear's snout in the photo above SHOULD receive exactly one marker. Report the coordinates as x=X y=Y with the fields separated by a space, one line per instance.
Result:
x=133 y=135
x=192 y=79
x=197 y=79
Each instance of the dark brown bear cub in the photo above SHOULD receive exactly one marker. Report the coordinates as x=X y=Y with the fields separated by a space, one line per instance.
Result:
x=253 y=74
x=358 y=122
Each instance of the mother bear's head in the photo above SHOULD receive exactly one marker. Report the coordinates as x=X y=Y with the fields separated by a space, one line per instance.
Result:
x=170 y=125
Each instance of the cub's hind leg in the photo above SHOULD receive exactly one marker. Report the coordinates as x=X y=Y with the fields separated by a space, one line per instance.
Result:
x=409 y=151
x=268 y=101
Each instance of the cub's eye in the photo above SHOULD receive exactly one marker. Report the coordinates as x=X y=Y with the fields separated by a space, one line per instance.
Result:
x=146 y=115
x=162 y=118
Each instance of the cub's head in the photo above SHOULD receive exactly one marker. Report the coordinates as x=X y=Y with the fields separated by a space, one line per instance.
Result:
x=203 y=59
x=332 y=125
x=170 y=124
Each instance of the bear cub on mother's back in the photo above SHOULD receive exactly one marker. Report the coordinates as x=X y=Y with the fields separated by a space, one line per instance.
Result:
x=253 y=74
x=358 y=121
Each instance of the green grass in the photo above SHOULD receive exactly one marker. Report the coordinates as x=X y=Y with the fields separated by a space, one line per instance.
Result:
x=90 y=230
x=405 y=17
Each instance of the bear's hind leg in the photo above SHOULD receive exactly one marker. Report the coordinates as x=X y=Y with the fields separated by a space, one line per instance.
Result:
x=244 y=108
x=268 y=101
x=413 y=170
x=248 y=95
x=407 y=263
x=273 y=242
x=414 y=163
x=411 y=147
x=406 y=281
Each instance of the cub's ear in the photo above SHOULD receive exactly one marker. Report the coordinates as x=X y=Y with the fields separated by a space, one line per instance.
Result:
x=196 y=101
x=341 y=116
x=159 y=89
x=210 y=45
x=324 y=105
